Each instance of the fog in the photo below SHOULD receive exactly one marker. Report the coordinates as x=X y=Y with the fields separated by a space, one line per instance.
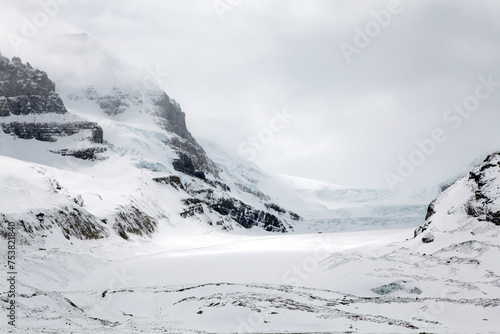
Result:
x=366 y=93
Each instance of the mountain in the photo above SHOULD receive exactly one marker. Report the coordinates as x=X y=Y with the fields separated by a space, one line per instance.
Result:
x=126 y=223
x=129 y=129
x=110 y=126
x=443 y=278
x=31 y=109
x=471 y=205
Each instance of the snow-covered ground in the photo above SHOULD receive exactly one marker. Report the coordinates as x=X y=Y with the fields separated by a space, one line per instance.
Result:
x=202 y=281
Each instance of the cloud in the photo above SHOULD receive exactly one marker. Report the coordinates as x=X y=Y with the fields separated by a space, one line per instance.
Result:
x=353 y=119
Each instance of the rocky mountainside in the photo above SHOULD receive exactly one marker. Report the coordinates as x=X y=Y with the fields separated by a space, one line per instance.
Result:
x=109 y=147
x=124 y=126
x=470 y=205
x=445 y=279
x=26 y=90
x=30 y=108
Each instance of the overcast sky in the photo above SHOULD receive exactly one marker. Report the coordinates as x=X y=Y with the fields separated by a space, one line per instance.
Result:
x=360 y=91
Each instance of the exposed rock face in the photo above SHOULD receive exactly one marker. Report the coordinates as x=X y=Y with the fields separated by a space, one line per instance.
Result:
x=243 y=214
x=213 y=198
x=84 y=154
x=172 y=180
x=277 y=208
x=192 y=158
x=294 y=216
x=430 y=210
x=485 y=203
x=396 y=286
x=166 y=112
x=247 y=216
x=116 y=101
x=185 y=165
x=475 y=197
x=171 y=111
x=31 y=109
x=132 y=221
x=50 y=132
x=25 y=91
x=72 y=221
x=428 y=238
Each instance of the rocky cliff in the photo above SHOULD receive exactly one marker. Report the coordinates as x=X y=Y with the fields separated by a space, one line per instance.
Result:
x=28 y=100
x=25 y=90
x=470 y=205
x=148 y=148
x=167 y=113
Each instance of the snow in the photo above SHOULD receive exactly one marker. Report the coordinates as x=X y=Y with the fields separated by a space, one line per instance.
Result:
x=242 y=283
x=191 y=277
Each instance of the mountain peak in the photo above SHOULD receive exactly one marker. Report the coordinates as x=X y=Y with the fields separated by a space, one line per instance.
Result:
x=470 y=205
x=24 y=90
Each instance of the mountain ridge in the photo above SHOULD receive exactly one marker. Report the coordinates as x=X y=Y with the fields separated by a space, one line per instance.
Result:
x=166 y=150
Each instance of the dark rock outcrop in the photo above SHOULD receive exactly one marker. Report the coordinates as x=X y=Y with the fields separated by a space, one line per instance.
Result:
x=486 y=195
x=175 y=118
x=275 y=207
x=396 y=286
x=193 y=159
x=171 y=180
x=133 y=221
x=482 y=183
x=84 y=154
x=72 y=221
x=50 y=132
x=185 y=165
x=430 y=210
x=294 y=216
x=428 y=238
x=247 y=216
x=25 y=91
x=194 y=207
x=230 y=208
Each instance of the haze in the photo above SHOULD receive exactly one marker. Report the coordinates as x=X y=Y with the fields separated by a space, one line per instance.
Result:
x=356 y=104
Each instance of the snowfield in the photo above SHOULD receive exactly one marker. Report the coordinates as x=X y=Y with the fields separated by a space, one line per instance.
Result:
x=197 y=280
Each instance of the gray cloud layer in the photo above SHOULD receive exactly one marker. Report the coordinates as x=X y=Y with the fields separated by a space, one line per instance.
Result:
x=352 y=120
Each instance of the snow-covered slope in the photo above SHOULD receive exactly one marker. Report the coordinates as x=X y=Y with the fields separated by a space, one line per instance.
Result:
x=109 y=125
x=468 y=204
x=190 y=278
x=117 y=148
x=323 y=207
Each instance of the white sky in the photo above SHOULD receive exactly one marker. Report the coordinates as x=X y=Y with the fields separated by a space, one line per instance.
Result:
x=352 y=120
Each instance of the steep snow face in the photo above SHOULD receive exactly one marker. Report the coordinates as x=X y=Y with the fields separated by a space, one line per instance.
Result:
x=144 y=137
x=471 y=205
x=118 y=116
x=111 y=91
x=323 y=207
